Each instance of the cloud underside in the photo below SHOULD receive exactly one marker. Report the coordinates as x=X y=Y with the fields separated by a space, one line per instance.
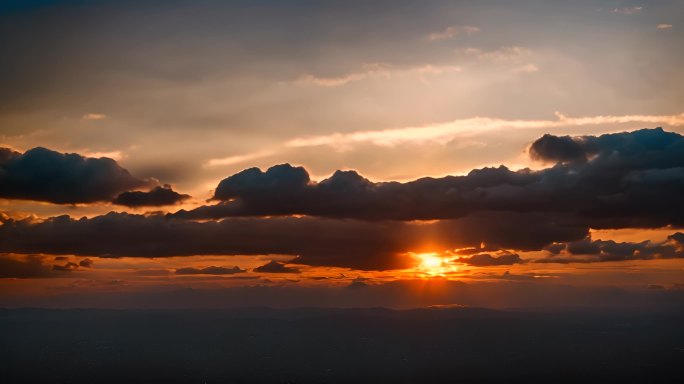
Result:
x=625 y=180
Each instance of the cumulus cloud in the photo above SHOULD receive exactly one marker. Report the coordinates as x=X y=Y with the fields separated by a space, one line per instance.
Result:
x=275 y=267
x=609 y=181
x=212 y=270
x=158 y=196
x=588 y=250
x=44 y=175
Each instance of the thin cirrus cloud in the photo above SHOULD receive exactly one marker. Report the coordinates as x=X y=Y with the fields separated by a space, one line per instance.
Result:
x=664 y=26
x=628 y=10
x=452 y=32
x=377 y=70
x=444 y=132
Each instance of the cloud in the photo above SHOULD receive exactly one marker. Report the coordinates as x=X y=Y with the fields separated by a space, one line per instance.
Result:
x=588 y=250
x=487 y=260
x=159 y=196
x=93 y=117
x=44 y=175
x=230 y=160
x=451 y=32
x=24 y=267
x=664 y=26
x=275 y=267
x=628 y=10
x=67 y=267
x=370 y=245
x=527 y=68
x=609 y=181
x=446 y=132
x=210 y=271
x=377 y=70
x=86 y=263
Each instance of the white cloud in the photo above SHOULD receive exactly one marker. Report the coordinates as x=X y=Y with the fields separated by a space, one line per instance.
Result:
x=628 y=10
x=664 y=26
x=445 y=132
x=451 y=32
x=377 y=70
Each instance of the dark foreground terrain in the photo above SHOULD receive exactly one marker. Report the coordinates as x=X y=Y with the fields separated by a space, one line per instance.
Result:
x=324 y=345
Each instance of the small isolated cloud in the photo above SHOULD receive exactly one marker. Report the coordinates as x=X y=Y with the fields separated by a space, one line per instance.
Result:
x=210 y=271
x=451 y=32
x=527 y=68
x=628 y=10
x=85 y=263
x=664 y=26
x=275 y=267
x=93 y=117
x=67 y=267
x=157 y=197
x=375 y=70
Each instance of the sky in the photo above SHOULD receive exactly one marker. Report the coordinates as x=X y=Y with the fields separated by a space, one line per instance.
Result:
x=341 y=153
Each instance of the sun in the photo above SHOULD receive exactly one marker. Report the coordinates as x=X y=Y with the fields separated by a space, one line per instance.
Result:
x=430 y=261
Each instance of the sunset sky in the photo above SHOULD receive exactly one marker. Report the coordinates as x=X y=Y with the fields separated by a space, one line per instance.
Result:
x=167 y=154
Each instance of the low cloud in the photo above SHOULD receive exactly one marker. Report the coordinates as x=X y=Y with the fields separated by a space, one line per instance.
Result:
x=44 y=175
x=621 y=180
x=159 y=196
x=487 y=260
x=210 y=271
x=588 y=250
x=275 y=267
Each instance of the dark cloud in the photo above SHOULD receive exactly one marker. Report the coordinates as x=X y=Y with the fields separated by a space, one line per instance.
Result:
x=631 y=179
x=314 y=241
x=588 y=250
x=67 y=267
x=25 y=267
x=209 y=271
x=44 y=175
x=558 y=149
x=86 y=263
x=159 y=196
x=275 y=267
x=487 y=260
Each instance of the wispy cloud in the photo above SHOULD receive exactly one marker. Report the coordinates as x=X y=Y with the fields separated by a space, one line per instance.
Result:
x=237 y=159
x=444 y=132
x=628 y=10
x=505 y=53
x=527 y=68
x=115 y=155
x=664 y=26
x=93 y=117
x=377 y=70
x=451 y=32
